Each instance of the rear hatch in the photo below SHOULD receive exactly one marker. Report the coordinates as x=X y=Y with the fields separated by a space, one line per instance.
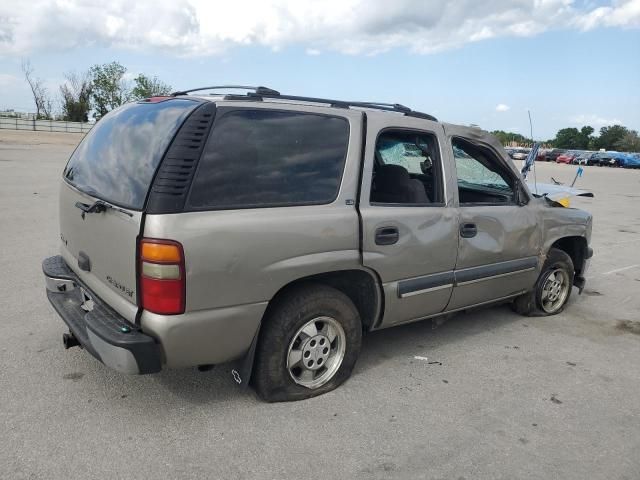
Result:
x=103 y=194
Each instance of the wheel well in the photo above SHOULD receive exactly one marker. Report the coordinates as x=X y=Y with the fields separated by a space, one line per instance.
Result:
x=576 y=248
x=358 y=285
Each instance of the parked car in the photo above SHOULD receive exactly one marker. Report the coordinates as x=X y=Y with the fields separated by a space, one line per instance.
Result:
x=542 y=155
x=598 y=159
x=584 y=157
x=554 y=153
x=620 y=159
x=520 y=154
x=633 y=161
x=270 y=230
x=566 y=157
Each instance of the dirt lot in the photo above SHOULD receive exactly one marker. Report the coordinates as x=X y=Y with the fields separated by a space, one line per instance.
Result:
x=509 y=397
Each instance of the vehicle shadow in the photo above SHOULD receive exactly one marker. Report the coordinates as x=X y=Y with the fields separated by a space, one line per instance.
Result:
x=379 y=347
x=418 y=338
x=213 y=386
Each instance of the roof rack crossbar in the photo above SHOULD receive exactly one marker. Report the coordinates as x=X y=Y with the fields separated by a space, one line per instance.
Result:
x=258 y=90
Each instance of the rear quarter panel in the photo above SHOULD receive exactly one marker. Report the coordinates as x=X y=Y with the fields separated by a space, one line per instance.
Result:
x=236 y=257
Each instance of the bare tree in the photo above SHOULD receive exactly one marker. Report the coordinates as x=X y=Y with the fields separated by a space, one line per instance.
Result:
x=76 y=96
x=39 y=91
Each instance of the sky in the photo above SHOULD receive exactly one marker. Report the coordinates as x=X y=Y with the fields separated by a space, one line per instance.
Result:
x=570 y=62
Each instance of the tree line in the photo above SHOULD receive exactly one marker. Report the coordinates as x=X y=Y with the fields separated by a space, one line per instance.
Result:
x=612 y=137
x=95 y=91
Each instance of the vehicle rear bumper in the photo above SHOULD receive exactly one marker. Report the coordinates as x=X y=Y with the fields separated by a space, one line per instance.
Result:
x=100 y=330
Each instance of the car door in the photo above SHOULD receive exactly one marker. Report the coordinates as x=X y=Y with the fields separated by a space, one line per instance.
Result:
x=409 y=225
x=499 y=242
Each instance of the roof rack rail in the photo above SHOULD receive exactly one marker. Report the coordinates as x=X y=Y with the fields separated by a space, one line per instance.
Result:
x=257 y=90
x=388 y=107
x=258 y=93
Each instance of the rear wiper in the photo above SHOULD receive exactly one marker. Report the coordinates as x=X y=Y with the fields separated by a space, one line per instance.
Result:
x=98 y=207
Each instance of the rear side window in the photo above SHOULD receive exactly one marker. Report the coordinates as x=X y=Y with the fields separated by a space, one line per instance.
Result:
x=118 y=157
x=266 y=158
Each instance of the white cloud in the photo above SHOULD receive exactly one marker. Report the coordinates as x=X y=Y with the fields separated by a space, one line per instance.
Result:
x=501 y=107
x=593 y=120
x=203 y=27
x=622 y=13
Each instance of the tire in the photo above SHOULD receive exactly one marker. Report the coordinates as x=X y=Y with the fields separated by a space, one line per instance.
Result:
x=539 y=301
x=286 y=338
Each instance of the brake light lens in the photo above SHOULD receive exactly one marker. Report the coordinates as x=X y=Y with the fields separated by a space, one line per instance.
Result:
x=157 y=99
x=162 y=276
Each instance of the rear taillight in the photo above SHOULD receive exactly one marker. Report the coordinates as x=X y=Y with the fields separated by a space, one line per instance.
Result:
x=162 y=276
x=158 y=99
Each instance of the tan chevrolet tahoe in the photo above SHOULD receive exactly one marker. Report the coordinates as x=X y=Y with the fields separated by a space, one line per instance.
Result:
x=272 y=231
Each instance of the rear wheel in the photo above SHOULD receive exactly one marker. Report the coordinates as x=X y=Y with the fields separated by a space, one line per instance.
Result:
x=552 y=289
x=308 y=345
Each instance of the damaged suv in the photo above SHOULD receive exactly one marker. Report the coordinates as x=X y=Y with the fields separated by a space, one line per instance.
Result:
x=273 y=230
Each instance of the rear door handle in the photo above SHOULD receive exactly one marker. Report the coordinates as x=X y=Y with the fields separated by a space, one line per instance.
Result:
x=387 y=235
x=468 y=230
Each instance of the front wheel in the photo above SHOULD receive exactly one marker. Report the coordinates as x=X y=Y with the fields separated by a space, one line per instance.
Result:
x=552 y=289
x=309 y=344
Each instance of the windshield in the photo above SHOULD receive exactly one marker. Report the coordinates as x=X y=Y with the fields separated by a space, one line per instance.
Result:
x=118 y=157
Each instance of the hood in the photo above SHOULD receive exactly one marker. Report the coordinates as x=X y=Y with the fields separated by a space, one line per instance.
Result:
x=558 y=193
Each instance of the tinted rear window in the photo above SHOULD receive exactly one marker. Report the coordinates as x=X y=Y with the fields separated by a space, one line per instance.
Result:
x=262 y=158
x=118 y=157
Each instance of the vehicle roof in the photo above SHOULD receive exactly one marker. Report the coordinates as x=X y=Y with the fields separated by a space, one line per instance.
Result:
x=266 y=102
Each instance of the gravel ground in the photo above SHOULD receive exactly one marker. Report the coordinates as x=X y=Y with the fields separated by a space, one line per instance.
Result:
x=513 y=397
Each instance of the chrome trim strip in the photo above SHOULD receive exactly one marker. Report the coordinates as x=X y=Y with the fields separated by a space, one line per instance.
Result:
x=469 y=274
x=425 y=290
x=439 y=281
x=425 y=283
x=469 y=282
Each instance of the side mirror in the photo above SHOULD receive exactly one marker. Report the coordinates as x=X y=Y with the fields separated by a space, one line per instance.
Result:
x=426 y=165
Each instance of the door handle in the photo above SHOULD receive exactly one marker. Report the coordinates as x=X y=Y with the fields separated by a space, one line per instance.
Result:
x=387 y=235
x=468 y=230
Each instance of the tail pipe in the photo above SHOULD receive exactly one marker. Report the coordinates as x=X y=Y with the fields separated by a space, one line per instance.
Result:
x=69 y=340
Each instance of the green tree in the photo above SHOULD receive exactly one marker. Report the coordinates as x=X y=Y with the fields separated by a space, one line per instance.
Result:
x=572 y=138
x=586 y=133
x=567 y=138
x=76 y=97
x=630 y=142
x=146 y=87
x=505 y=138
x=109 y=89
x=610 y=136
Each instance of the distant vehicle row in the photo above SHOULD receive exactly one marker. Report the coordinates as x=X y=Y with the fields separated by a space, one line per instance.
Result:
x=580 y=157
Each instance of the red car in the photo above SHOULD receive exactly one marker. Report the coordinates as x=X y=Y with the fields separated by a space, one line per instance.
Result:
x=566 y=158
